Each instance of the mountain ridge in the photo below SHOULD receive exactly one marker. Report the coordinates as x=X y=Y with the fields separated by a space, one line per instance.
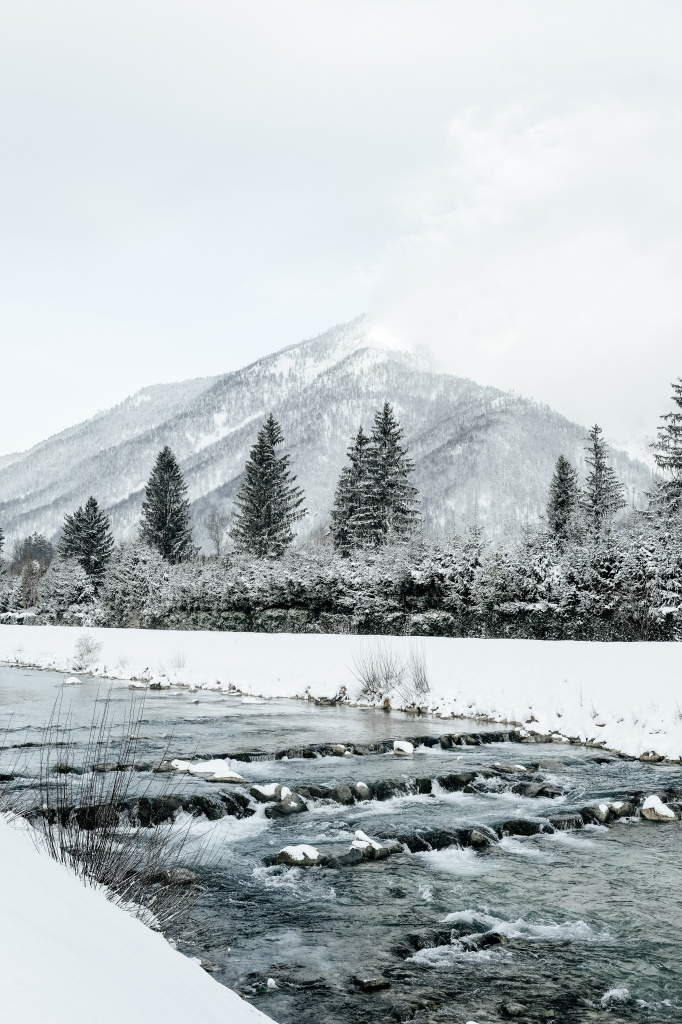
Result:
x=478 y=451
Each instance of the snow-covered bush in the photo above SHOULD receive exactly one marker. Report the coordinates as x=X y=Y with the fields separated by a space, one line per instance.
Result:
x=132 y=583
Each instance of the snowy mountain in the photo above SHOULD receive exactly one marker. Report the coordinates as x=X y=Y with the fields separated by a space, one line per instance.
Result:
x=474 y=447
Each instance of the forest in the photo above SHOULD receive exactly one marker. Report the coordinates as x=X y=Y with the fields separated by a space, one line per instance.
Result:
x=591 y=569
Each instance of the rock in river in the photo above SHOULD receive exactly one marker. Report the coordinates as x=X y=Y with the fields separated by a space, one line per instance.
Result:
x=291 y=804
x=653 y=809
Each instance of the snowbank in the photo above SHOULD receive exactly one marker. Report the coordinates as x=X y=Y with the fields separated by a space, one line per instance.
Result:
x=70 y=957
x=624 y=696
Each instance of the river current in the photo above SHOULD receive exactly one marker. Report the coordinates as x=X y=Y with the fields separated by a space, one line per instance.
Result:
x=591 y=917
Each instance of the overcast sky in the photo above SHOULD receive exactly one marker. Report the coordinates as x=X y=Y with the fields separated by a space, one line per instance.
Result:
x=185 y=186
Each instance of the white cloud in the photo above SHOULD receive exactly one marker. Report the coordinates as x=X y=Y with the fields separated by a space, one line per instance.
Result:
x=545 y=257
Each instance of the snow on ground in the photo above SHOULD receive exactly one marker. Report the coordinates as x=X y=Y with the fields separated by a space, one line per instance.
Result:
x=624 y=696
x=70 y=957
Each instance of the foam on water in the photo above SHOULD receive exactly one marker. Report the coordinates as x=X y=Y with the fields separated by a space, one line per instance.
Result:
x=574 y=931
x=510 y=845
x=455 y=861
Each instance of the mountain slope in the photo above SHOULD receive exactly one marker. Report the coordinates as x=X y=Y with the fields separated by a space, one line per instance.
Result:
x=476 y=449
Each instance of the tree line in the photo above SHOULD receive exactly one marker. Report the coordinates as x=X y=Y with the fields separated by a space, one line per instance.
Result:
x=376 y=508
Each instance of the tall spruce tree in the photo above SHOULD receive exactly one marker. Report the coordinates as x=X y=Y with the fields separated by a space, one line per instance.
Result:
x=564 y=495
x=393 y=513
x=352 y=513
x=374 y=500
x=166 y=523
x=668 y=455
x=2 y=540
x=602 y=496
x=269 y=502
x=86 y=536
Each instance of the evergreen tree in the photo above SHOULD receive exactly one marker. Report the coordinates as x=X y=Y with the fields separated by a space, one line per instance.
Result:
x=268 y=502
x=352 y=512
x=2 y=541
x=564 y=496
x=166 y=523
x=393 y=513
x=603 y=493
x=374 y=500
x=86 y=536
x=35 y=550
x=668 y=455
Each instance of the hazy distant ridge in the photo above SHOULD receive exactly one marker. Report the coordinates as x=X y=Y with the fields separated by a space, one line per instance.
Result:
x=473 y=446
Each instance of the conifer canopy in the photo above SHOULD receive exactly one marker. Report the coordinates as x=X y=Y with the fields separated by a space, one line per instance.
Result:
x=564 y=495
x=268 y=502
x=603 y=492
x=668 y=455
x=374 y=500
x=86 y=536
x=166 y=523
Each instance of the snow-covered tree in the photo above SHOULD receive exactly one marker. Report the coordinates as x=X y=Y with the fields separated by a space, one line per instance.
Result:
x=602 y=495
x=352 y=515
x=166 y=524
x=86 y=536
x=35 y=550
x=564 y=496
x=375 y=503
x=65 y=584
x=268 y=502
x=135 y=574
x=668 y=455
x=216 y=527
x=394 y=498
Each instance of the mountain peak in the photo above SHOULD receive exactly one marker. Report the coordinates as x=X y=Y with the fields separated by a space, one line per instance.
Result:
x=477 y=451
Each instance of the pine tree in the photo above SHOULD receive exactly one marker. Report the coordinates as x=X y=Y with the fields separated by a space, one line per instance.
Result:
x=268 y=502
x=668 y=456
x=352 y=512
x=166 y=523
x=603 y=493
x=34 y=549
x=393 y=512
x=564 y=496
x=2 y=541
x=86 y=536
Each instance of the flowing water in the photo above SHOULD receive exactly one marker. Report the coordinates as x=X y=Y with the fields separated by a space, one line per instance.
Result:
x=592 y=917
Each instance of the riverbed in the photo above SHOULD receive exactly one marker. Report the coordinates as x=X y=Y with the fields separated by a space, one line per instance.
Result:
x=589 y=917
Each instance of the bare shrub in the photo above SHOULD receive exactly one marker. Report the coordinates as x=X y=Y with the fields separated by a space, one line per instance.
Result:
x=83 y=819
x=382 y=673
x=414 y=686
x=378 y=670
x=178 y=661
x=87 y=649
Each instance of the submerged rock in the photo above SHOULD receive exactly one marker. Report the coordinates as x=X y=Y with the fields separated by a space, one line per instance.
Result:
x=273 y=792
x=522 y=827
x=314 y=792
x=291 y=804
x=597 y=813
x=456 y=781
x=371 y=983
x=342 y=795
x=566 y=822
x=512 y=1009
x=385 y=789
x=622 y=808
x=482 y=836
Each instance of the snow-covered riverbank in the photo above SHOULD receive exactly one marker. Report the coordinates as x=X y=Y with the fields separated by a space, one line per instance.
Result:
x=627 y=697
x=70 y=957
